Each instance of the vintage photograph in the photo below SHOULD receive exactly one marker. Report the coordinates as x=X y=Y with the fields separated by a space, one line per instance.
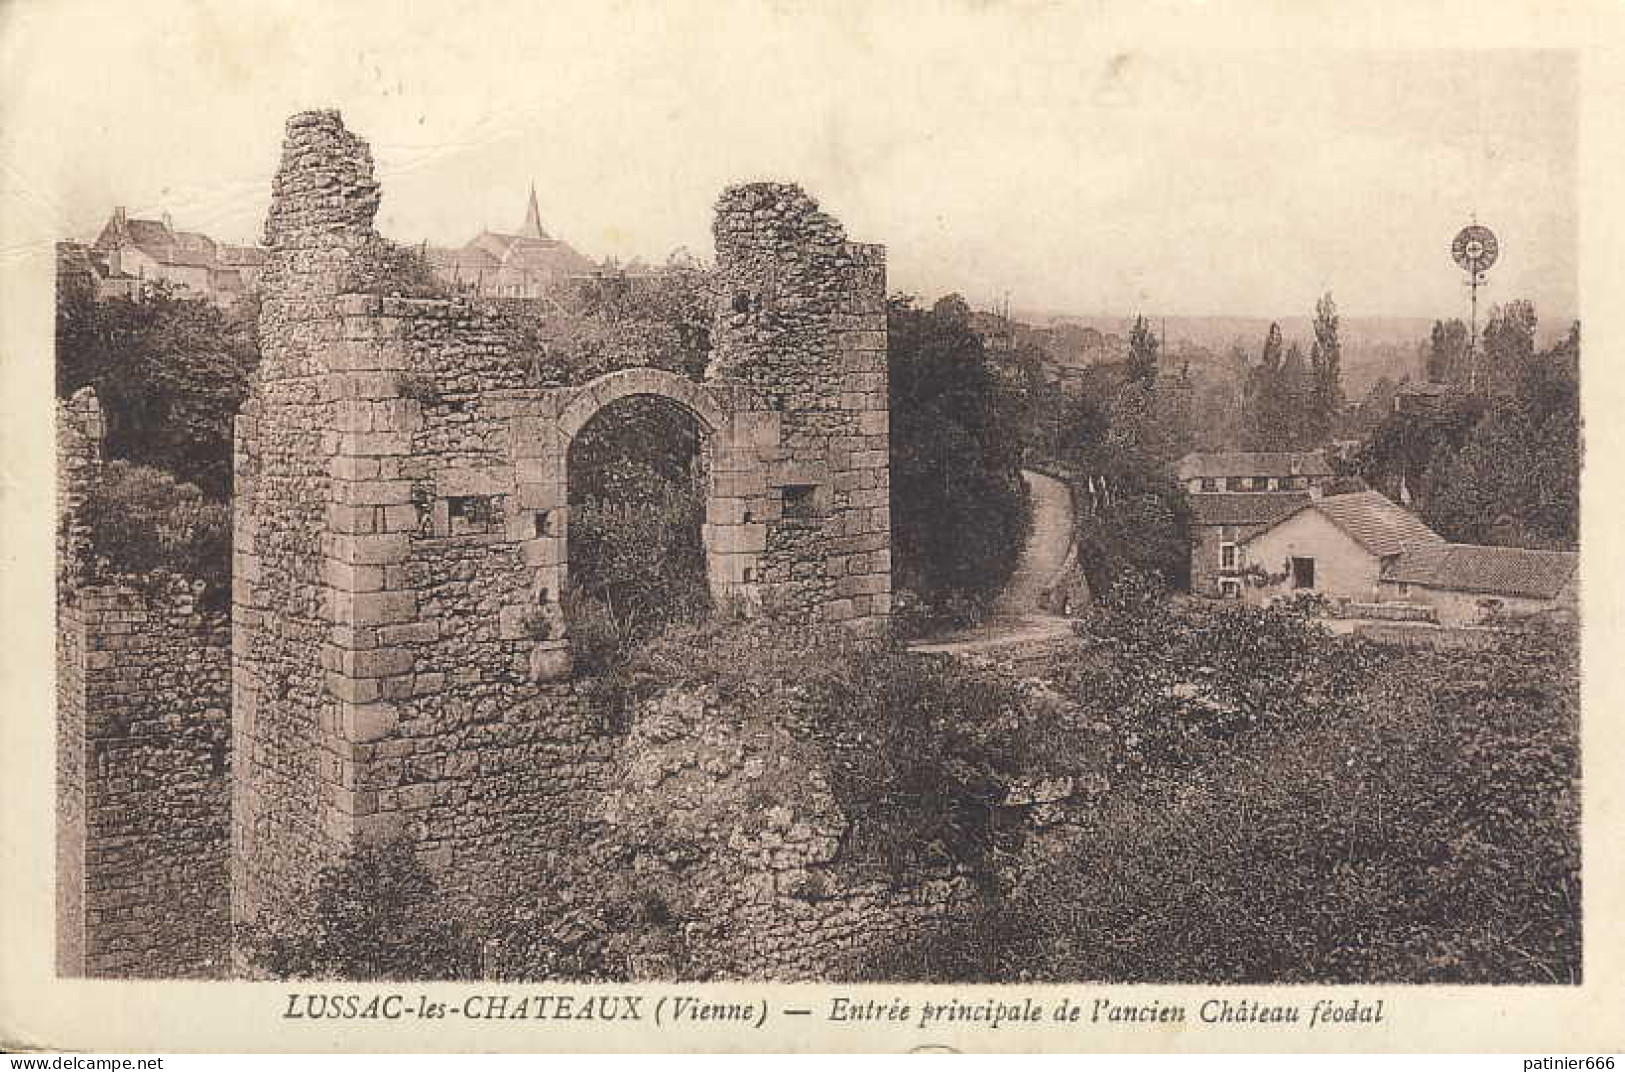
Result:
x=823 y=511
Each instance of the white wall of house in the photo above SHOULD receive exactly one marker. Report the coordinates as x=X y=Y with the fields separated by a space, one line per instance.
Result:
x=1467 y=608
x=1343 y=569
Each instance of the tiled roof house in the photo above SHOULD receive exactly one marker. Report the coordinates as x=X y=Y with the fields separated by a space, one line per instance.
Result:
x=150 y=250
x=523 y=265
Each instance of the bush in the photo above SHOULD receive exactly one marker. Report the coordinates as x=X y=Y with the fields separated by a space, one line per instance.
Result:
x=375 y=915
x=922 y=753
x=171 y=372
x=1384 y=817
x=142 y=520
x=636 y=567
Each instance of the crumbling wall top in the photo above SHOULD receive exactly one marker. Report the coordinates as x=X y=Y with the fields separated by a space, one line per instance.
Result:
x=324 y=192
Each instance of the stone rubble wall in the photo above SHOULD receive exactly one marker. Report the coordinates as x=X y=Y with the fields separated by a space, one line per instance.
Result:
x=288 y=742
x=156 y=688
x=143 y=764
x=801 y=315
x=80 y=431
x=731 y=823
x=79 y=435
x=401 y=651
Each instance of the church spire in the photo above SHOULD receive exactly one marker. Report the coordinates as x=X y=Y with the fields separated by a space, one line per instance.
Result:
x=533 y=218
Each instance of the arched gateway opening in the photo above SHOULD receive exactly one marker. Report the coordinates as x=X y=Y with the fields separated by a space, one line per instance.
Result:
x=701 y=508
x=638 y=476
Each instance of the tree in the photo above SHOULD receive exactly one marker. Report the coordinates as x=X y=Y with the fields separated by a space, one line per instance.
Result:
x=1514 y=479
x=957 y=501
x=1447 y=353
x=1268 y=424
x=1509 y=343
x=1295 y=397
x=170 y=371
x=1142 y=353
x=1326 y=371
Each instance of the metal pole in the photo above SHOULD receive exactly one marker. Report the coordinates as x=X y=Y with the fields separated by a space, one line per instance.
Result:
x=1472 y=339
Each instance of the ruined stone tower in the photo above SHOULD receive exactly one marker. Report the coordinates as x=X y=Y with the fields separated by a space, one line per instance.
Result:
x=400 y=651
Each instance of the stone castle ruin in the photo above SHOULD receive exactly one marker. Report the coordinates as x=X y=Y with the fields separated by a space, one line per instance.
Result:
x=399 y=662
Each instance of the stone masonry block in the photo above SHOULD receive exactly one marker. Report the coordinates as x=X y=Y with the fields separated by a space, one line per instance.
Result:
x=352 y=578
x=735 y=485
x=344 y=467
x=352 y=690
x=734 y=539
x=397 y=518
x=868 y=584
x=376 y=444
x=420 y=632
x=542 y=496
x=359 y=304
x=374 y=492
x=379 y=662
x=351 y=520
x=367 y=550
x=547 y=551
x=372 y=608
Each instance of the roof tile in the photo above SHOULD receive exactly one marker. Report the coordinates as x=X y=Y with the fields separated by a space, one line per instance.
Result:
x=1504 y=571
x=1244 y=508
x=1244 y=463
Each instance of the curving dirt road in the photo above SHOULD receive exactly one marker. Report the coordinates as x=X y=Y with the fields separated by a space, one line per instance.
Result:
x=1018 y=616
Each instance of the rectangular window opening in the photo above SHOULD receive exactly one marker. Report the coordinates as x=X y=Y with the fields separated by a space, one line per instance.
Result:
x=800 y=501
x=469 y=514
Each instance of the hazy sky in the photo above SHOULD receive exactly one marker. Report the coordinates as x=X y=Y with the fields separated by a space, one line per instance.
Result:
x=992 y=148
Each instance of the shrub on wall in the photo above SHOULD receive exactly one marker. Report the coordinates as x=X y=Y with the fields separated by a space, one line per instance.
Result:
x=142 y=520
x=375 y=915
x=170 y=371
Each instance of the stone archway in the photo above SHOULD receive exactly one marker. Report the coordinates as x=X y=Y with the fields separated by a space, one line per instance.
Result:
x=741 y=436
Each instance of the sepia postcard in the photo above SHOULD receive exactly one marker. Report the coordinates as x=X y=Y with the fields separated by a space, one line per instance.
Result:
x=981 y=526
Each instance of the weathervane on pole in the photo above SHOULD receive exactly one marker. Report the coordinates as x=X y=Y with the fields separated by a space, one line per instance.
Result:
x=1474 y=249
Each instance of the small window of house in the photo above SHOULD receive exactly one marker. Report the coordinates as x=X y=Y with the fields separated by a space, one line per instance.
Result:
x=469 y=514
x=800 y=502
x=1230 y=588
x=1209 y=484
x=1227 y=556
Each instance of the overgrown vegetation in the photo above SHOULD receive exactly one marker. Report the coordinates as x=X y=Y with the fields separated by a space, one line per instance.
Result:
x=637 y=562
x=1291 y=807
x=377 y=914
x=587 y=327
x=170 y=372
x=1500 y=466
x=958 y=509
x=141 y=519
x=919 y=750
